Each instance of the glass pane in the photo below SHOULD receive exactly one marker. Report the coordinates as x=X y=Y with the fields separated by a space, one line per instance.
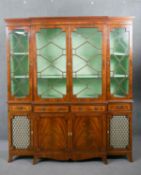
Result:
x=19 y=57
x=51 y=63
x=87 y=62
x=119 y=62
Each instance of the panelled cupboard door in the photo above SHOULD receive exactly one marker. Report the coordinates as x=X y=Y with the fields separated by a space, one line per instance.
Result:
x=88 y=132
x=51 y=76
x=52 y=132
x=21 y=132
x=19 y=64
x=88 y=53
x=120 y=62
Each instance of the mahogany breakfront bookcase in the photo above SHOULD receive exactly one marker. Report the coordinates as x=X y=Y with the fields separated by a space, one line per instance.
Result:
x=70 y=87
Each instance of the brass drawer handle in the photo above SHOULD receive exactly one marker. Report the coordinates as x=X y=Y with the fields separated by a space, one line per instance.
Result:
x=69 y=134
x=60 y=109
x=20 y=107
x=43 y=109
x=120 y=107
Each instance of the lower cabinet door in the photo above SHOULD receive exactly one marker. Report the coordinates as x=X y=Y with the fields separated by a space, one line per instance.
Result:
x=20 y=133
x=51 y=133
x=88 y=134
x=119 y=131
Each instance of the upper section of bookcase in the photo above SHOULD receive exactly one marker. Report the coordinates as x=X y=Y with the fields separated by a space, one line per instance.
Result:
x=69 y=20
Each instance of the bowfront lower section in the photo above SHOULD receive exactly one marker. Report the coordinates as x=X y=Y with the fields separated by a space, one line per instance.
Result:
x=75 y=131
x=66 y=132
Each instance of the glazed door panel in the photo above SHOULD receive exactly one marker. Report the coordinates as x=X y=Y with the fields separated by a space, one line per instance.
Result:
x=88 y=63
x=19 y=67
x=52 y=132
x=120 y=62
x=51 y=64
x=88 y=132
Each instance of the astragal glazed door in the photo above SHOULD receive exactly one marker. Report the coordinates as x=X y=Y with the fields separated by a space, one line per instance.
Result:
x=120 y=54
x=51 y=80
x=19 y=64
x=88 y=63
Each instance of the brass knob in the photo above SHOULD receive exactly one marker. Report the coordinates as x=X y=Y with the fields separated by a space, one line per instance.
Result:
x=69 y=133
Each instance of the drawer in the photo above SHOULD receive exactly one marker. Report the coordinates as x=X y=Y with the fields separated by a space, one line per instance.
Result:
x=19 y=108
x=92 y=108
x=120 y=106
x=51 y=109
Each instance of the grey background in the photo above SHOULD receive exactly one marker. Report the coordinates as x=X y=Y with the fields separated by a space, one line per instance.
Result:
x=31 y=8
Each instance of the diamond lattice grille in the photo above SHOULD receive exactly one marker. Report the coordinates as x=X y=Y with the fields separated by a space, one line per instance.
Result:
x=21 y=132
x=87 y=62
x=19 y=63
x=119 y=132
x=51 y=63
x=119 y=65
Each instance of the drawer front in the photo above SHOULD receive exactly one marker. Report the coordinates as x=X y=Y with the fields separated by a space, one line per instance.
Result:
x=92 y=108
x=25 y=108
x=119 y=106
x=51 y=109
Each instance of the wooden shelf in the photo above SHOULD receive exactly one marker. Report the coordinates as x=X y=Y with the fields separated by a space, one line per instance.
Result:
x=51 y=77
x=79 y=76
x=119 y=76
x=20 y=76
x=20 y=53
x=119 y=54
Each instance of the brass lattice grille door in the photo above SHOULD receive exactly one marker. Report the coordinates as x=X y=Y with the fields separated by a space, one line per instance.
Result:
x=119 y=62
x=21 y=132
x=119 y=132
x=51 y=63
x=19 y=63
x=87 y=63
